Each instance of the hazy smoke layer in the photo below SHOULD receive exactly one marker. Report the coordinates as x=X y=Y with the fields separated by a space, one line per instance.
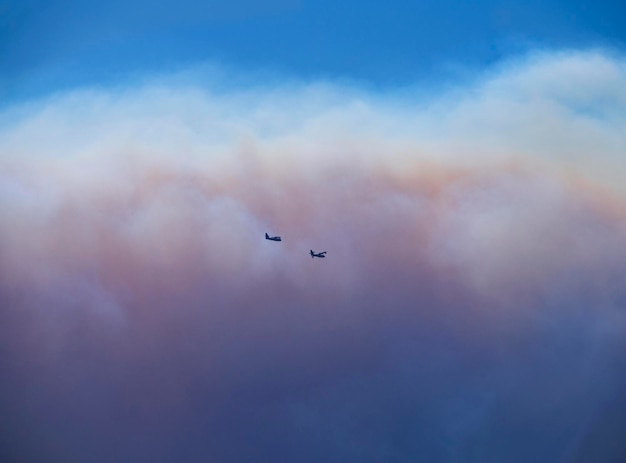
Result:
x=471 y=308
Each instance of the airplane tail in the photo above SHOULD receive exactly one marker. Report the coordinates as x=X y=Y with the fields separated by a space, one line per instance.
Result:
x=267 y=237
x=312 y=253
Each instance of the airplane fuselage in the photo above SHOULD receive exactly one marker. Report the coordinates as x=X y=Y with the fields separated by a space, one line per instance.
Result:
x=273 y=238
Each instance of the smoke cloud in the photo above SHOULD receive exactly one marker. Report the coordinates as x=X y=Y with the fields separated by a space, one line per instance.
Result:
x=471 y=306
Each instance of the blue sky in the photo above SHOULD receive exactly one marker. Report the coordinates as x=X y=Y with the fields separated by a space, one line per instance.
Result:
x=51 y=45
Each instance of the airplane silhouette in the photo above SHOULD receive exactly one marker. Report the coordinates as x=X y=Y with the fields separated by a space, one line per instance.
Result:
x=273 y=238
x=318 y=254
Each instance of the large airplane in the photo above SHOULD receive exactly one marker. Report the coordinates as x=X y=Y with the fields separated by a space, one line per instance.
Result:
x=273 y=238
x=318 y=254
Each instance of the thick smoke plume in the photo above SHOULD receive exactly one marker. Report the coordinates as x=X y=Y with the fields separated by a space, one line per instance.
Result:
x=471 y=307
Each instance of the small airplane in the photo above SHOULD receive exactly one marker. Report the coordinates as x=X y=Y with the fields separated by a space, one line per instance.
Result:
x=318 y=254
x=273 y=238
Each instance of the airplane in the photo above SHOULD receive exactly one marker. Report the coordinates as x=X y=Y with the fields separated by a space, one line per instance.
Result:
x=318 y=254
x=273 y=238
